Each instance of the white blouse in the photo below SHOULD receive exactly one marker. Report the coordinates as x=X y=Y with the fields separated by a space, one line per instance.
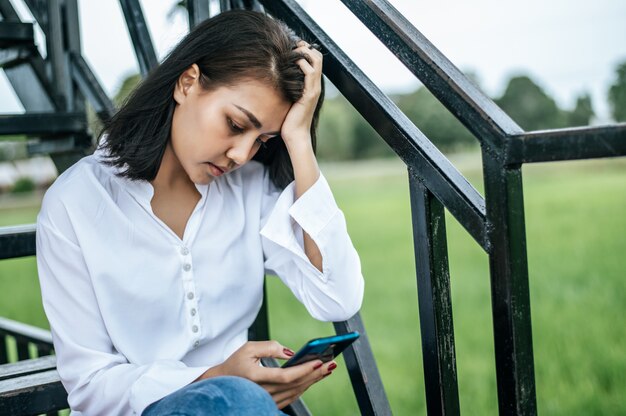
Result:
x=136 y=313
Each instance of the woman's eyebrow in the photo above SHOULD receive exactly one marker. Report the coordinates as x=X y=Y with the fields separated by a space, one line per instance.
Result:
x=255 y=121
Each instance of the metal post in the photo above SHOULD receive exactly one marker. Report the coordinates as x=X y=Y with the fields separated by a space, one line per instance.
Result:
x=366 y=382
x=510 y=296
x=435 y=304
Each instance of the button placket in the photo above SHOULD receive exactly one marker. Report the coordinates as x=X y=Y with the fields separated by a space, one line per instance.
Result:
x=191 y=298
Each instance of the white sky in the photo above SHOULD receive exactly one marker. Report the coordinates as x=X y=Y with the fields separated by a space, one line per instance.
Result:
x=567 y=46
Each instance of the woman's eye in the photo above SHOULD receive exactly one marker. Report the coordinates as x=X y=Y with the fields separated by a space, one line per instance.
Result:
x=234 y=127
x=259 y=142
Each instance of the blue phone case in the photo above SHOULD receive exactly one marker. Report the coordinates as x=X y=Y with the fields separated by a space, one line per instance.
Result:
x=324 y=349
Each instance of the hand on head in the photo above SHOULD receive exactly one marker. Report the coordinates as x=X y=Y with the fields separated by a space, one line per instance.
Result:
x=297 y=124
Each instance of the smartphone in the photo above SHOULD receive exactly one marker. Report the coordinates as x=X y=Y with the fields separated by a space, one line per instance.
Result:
x=324 y=349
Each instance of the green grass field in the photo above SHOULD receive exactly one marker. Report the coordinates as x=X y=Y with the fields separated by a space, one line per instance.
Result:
x=576 y=231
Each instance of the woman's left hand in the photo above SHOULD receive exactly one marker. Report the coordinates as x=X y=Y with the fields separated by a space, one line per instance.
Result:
x=296 y=128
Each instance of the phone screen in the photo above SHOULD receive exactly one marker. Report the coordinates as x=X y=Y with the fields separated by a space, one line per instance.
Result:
x=325 y=349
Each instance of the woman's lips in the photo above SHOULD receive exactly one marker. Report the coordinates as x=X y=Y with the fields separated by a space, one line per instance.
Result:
x=216 y=170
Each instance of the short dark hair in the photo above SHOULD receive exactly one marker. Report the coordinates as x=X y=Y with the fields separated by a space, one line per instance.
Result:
x=227 y=48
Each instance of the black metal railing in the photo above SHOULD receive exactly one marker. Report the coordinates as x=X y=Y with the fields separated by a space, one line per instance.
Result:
x=496 y=222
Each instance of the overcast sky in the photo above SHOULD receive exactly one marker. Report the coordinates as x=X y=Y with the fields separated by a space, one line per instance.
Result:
x=567 y=46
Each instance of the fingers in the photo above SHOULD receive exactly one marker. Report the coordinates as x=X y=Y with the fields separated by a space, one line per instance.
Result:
x=312 y=58
x=269 y=349
x=288 y=395
x=305 y=374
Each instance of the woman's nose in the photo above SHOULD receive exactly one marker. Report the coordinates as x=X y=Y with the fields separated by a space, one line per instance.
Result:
x=242 y=150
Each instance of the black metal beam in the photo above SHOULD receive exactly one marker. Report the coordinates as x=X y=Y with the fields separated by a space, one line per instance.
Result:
x=16 y=33
x=444 y=80
x=140 y=36
x=39 y=10
x=89 y=86
x=26 y=367
x=260 y=328
x=439 y=175
x=366 y=382
x=435 y=303
x=17 y=241
x=32 y=394
x=25 y=332
x=56 y=56
x=7 y=12
x=42 y=124
x=510 y=297
x=15 y=56
x=566 y=144
x=28 y=74
x=225 y=5
x=198 y=10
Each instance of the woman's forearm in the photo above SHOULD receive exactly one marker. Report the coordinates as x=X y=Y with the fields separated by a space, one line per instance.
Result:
x=306 y=173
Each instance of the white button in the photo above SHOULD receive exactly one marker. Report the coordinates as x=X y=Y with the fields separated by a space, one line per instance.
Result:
x=195 y=344
x=190 y=295
x=187 y=267
x=184 y=251
x=194 y=328
x=193 y=312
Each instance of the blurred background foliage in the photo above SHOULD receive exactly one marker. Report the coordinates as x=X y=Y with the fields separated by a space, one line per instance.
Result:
x=345 y=135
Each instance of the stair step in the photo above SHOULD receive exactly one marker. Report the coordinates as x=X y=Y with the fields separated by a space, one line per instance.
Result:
x=16 y=34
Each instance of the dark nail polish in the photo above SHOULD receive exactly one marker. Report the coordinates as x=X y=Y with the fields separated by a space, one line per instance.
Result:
x=332 y=367
x=317 y=366
x=288 y=352
x=327 y=374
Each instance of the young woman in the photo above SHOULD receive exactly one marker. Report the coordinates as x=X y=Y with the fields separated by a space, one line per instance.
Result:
x=152 y=251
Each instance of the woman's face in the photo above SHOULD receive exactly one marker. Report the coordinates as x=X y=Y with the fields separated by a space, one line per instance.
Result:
x=216 y=131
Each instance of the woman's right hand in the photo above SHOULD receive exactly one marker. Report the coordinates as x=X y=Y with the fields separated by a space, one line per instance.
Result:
x=284 y=384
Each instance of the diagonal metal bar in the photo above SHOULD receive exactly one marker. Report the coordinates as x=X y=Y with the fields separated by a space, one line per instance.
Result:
x=140 y=36
x=39 y=10
x=439 y=175
x=366 y=382
x=446 y=82
x=435 y=303
x=90 y=87
x=566 y=144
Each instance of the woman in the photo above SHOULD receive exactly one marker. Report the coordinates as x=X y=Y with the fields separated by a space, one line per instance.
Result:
x=152 y=251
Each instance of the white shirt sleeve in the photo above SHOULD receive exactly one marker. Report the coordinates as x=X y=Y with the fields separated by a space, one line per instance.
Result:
x=336 y=293
x=99 y=380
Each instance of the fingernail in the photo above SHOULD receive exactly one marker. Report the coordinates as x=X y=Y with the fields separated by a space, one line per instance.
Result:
x=317 y=366
x=288 y=352
x=332 y=367
x=327 y=374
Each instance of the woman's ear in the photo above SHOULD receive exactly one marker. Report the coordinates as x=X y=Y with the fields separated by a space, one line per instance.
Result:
x=186 y=82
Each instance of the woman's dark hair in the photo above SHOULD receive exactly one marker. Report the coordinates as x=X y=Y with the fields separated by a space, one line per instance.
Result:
x=227 y=48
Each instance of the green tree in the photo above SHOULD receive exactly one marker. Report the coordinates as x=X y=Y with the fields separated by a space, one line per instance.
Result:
x=335 y=138
x=434 y=120
x=530 y=106
x=617 y=94
x=128 y=85
x=582 y=113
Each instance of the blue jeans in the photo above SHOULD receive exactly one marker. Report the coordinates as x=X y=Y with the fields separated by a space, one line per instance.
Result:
x=219 y=396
